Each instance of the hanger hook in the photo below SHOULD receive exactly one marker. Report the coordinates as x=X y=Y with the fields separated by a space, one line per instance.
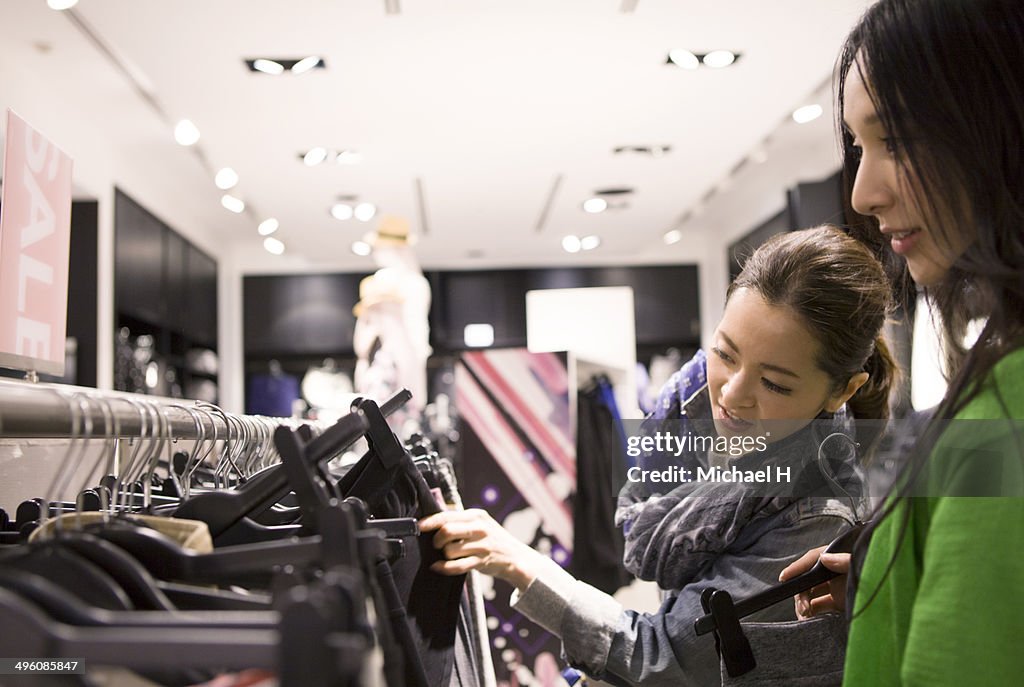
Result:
x=52 y=492
x=828 y=473
x=186 y=476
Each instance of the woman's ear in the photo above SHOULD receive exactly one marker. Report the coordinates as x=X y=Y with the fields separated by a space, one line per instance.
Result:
x=836 y=401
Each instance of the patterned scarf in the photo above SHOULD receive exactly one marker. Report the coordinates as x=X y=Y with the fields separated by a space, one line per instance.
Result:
x=672 y=536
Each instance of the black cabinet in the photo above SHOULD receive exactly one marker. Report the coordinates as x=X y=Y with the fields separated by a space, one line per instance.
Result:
x=199 y=315
x=308 y=314
x=311 y=315
x=138 y=261
x=665 y=298
x=176 y=281
x=165 y=289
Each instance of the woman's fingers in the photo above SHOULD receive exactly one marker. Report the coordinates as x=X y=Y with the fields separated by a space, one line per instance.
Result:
x=459 y=566
x=836 y=562
x=457 y=531
x=437 y=520
x=801 y=565
x=823 y=604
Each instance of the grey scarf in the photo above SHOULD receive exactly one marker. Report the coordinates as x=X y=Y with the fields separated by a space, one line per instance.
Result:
x=672 y=537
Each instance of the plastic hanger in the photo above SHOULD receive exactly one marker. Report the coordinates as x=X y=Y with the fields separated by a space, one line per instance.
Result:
x=723 y=615
x=222 y=509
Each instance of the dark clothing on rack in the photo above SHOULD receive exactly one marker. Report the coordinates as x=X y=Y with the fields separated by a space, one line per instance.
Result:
x=432 y=601
x=598 y=543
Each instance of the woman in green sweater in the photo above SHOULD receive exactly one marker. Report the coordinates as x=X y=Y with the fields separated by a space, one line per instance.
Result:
x=931 y=100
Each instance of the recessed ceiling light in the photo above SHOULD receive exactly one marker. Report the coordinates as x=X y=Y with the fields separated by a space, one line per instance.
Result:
x=273 y=246
x=268 y=66
x=315 y=156
x=305 y=64
x=719 y=58
x=186 y=133
x=233 y=204
x=590 y=242
x=361 y=248
x=571 y=244
x=348 y=157
x=683 y=58
x=61 y=4
x=268 y=226
x=364 y=212
x=275 y=66
x=807 y=113
x=595 y=205
x=226 y=178
x=673 y=236
x=342 y=211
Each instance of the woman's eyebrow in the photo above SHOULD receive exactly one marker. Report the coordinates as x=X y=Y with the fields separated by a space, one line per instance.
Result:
x=764 y=366
x=871 y=120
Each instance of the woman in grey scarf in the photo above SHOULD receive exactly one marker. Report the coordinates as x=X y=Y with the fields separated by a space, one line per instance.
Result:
x=797 y=356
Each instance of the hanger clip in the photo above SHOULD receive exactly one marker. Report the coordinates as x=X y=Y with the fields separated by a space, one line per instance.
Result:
x=730 y=642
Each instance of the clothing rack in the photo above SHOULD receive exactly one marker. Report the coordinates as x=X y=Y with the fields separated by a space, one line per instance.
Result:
x=41 y=410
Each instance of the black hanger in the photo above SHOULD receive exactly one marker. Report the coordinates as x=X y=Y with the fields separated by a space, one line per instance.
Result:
x=722 y=614
x=222 y=509
x=63 y=606
x=127 y=572
x=69 y=570
x=28 y=631
x=374 y=475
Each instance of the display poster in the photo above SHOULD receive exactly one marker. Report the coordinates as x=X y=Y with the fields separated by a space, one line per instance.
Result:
x=35 y=233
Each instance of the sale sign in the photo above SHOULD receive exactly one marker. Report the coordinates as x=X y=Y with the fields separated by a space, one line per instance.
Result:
x=35 y=233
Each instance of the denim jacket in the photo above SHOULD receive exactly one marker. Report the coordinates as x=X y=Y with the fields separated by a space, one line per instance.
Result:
x=624 y=647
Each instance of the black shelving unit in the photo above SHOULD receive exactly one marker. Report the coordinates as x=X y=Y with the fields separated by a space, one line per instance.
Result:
x=164 y=288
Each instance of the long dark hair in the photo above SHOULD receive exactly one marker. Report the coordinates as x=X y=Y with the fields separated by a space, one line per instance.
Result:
x=840 y=290
x=947 y=81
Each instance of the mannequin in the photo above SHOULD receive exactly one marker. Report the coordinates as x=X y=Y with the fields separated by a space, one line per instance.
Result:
x=392 y=336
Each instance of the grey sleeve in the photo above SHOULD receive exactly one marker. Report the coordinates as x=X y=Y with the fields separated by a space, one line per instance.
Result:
x=624 y=647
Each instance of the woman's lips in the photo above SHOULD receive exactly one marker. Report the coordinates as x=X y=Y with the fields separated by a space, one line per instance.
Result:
x=903 y=241
x=732 y=423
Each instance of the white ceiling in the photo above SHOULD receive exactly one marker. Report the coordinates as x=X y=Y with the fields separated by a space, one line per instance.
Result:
x=484 y=103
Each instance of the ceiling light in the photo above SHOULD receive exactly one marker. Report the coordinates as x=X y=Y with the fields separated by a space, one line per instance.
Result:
x=304 y=65
x=807 y=113
x=226 y=178
x=571 y=244
x=683 y=58
x=364 y=212
x=61 y=4
x=268 y=66
x=348 y=157
x=719 y=58
x=673 y=236
x=186 y=133
x=236 y=205
x=268 y=227
x=315 y=156
x=273 y=246
x=478 y=335
x=361 y=248
x=342 y=211
x=590 y=242
x=595 y=205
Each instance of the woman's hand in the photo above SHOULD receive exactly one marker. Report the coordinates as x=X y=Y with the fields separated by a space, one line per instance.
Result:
x=827 y=597
x=472 y=540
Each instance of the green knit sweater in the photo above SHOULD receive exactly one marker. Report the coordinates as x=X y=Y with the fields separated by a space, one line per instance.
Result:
x=951 y=610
